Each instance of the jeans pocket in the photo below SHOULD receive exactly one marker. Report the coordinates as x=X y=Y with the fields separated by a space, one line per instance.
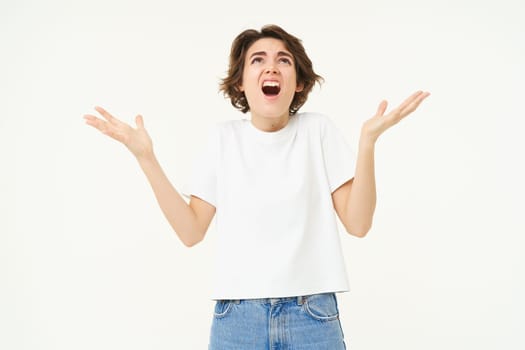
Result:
x=222 y=308
x=321 y=307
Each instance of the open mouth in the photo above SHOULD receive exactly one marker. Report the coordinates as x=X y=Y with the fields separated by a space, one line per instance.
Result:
x=271 y=88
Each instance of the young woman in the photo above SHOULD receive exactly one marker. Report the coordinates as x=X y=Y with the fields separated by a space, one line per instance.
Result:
x=276 y=182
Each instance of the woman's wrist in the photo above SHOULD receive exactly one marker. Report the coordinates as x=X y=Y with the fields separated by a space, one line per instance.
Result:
x=146 y=158
x=366 y=140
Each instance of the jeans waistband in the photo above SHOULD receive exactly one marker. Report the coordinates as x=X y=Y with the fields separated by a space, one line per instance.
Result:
x=299 y=299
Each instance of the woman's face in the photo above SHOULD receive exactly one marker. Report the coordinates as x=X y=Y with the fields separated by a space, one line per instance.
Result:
x=269 y=80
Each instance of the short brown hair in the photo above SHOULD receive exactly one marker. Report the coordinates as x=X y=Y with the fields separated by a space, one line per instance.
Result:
x=303 y=66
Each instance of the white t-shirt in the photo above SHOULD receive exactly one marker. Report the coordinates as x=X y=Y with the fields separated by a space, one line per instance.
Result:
x=276 y=227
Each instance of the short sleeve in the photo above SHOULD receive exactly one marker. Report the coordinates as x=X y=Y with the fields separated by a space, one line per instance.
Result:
x=339 y=157
x=202 y=182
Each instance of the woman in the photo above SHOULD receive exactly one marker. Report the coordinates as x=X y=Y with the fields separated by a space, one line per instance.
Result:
x=275 y=182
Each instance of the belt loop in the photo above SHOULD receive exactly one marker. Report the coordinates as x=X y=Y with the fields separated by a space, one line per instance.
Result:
x=236 y=301
x=300 y=299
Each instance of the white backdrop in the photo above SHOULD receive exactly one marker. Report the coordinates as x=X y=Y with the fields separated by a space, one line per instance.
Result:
x=87 y=261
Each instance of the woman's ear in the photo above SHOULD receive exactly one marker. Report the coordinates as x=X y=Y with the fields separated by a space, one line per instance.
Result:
x=240 y=87
x=299 y=87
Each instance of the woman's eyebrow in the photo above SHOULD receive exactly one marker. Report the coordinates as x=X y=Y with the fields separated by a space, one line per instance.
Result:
x=284 y=53
x=263 y=53
x=258 y=53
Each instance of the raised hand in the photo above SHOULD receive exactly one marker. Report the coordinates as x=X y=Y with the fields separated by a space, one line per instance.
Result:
x=136 y=140
x=376 y=125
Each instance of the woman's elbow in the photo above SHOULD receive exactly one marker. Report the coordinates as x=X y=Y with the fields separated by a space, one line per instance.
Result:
x=191 y=240
x=359 y=231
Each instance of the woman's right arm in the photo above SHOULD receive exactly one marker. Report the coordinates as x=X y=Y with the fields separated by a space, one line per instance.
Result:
x=182 y=217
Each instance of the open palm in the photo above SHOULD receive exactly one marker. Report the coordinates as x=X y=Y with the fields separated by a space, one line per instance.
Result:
x=136 y=140
x=376 y=125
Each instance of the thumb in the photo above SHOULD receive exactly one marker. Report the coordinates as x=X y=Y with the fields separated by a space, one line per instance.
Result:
x=139 y=121
x=382 y=107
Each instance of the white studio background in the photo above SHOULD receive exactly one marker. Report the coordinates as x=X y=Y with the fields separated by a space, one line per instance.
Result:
x=87 y=261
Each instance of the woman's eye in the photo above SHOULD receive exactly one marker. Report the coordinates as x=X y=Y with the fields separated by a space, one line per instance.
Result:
x=285 y=60
x=257 y=60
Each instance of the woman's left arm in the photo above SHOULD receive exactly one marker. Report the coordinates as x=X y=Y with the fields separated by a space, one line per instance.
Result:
x=355 y=201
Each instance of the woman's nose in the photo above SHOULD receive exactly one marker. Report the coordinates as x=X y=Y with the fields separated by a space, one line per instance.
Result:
x=271 y=69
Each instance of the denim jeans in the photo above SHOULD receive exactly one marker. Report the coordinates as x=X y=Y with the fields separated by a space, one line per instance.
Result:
x=308 y=322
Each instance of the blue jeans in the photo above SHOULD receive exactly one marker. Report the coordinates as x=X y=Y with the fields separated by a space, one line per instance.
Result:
x=308 y=322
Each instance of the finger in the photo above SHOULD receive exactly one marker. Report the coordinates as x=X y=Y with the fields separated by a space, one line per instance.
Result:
x=106 y=115
x=381 y=108
x=409 y=100
x=139 y=121
x=95 y=122
x=113 y=134
x=415 y=103
x=105 y=128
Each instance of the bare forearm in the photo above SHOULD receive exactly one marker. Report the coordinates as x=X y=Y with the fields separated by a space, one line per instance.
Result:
x=179 y=214
x=361 y=202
